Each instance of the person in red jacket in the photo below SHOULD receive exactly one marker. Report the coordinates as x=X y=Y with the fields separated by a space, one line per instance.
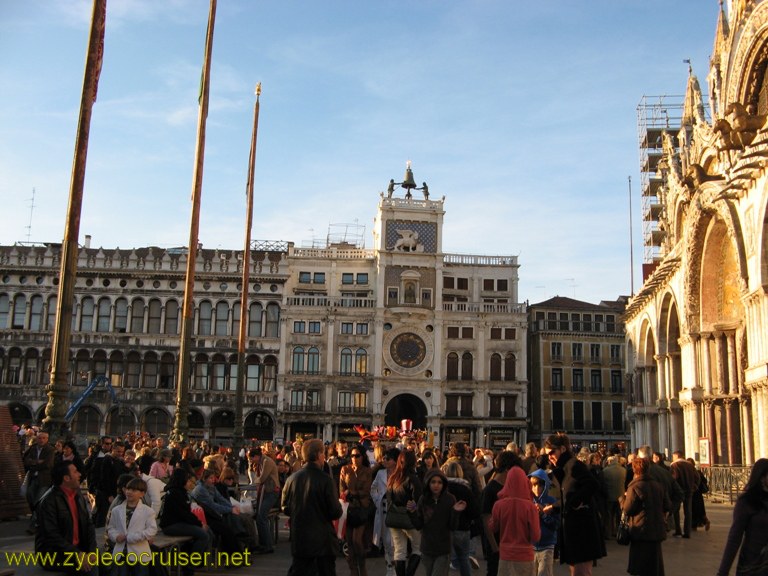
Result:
x=516 y=521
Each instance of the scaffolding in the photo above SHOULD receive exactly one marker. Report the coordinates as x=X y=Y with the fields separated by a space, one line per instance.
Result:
x=655 y=115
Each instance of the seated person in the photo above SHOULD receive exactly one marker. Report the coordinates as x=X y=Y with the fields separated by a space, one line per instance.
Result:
x=222 y=517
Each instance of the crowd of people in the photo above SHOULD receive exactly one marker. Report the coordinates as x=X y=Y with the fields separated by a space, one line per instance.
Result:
x=424 y=510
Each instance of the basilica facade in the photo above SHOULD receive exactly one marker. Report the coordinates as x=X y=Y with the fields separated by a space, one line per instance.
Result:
x=339 y=336
x=697 y=331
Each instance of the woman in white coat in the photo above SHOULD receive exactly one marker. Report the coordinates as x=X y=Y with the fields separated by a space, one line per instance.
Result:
x=381 y=535
x=132 y=526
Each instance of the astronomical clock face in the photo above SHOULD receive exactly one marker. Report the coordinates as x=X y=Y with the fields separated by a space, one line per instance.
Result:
x=408 y=350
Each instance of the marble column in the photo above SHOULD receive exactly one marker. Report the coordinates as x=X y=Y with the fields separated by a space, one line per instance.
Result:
x=730 y=431
x=733 y=378
x=748 y=457
x=720 y=364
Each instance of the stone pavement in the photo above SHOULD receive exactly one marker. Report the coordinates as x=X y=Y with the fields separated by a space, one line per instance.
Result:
x=699 y=555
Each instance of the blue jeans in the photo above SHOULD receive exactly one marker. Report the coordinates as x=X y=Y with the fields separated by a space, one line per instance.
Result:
x=201 y=539
x=461 y=539
x=268 y=501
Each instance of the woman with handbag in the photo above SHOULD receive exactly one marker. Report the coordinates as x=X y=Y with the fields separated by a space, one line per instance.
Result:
x=403 y=489
x=355 y=481
x=645 y=504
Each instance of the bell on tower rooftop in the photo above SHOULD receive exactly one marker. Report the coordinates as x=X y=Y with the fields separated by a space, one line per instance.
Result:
x=408 y=182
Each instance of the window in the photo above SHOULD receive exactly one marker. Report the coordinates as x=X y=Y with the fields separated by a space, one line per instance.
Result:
x=36 y=313
x=346 y=327
x=313 y=400
x=319 y=278
x=219 y=373
x=616 y=381
x=510 y=367
x=556 y=349
x=452 y=367
x=426 y=296
x=576 y=322
x=86 y=313
x=462 y=283
x=453 y=332
x=495 y=367
x=599 y=325
x=578 y=380
x=361 y=362
x=273 y=320
x=502 y=285
x=254 y=320
x=345 y=362
x=222 y=319
x=297 y=360
x=467 y=333
x=313 y=361
x=564 y=323
x=305 y=277
x=495 y=333
x=314 y=327
x=204 y=317
x=299 y=327
x=347 y=278
x=578 y=415
x=345 y=402
x=610 y=323
x=594 y=352
x=362 y=328
x=488 y=285
x=617 y=414
x=5 y=308
x=458 y=405
x=596 y=381
x=510 y=333
x=597 y=415
x=392 y=296
x=297 y=399
x=103 y=313
x=586 y=322
x=615 y=352
x=362 y=278
x=466 y=366
x=577 y=351
x=171 y=316
x=133 y=370
x=155 y=316
x=503 y=406
x=253 y=377
x=557 y=380
x=557 y=415
x=409 y=292
x=448 y=282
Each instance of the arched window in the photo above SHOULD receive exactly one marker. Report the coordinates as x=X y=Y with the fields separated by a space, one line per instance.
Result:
x=167 y=371
x=121 y=315
x=313 y=361
x=495 y=367
x=297 y=360
x=132 y=370
x=222 y=319
x=219 y=372
x=36 y=313
x=81 y=374
x=19 y=311
x=253 y=374
x=452 y=367
x=150 y=370
x=103 y=313
x=236 y=319
x=204 y=314
x=50 y=320
x=361 y=362
x=273 y=320
x=270 y=374
x=254 y=320
x=231 y=377
x=13 y=374
x=5 y=308
x=31 y=367
x=155 y=316
x=86 y=314
x=99 y=363
x=171 y=317
x=466 y=366
x=116 y=370
x=510 y=367
x=201 y=372
x=345 y=362
x=137 y=316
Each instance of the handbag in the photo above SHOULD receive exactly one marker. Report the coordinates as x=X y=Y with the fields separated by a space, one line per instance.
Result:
x=622 y=534
x=398 y=517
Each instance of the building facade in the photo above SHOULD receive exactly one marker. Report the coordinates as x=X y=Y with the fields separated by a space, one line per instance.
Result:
x=338 y=336
x=697 y=330
x=577 y=355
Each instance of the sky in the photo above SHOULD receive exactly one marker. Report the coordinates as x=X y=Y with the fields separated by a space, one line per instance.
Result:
x=522 y=114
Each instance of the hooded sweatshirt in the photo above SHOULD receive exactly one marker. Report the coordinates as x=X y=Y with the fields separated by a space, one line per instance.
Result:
x=515 y=518
x=435 y=517
x=549 y=521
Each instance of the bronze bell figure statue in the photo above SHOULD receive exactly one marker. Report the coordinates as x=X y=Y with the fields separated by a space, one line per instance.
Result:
x=408 y=182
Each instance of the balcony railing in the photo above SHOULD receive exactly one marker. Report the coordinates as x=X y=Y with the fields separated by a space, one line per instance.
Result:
x=328 y=302
x=587 y=427
x=487 y=307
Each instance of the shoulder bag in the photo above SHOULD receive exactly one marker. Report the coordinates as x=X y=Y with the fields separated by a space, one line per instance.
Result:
x=622 y=534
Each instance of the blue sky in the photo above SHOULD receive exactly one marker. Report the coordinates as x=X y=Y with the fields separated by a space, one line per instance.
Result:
x=522 y=114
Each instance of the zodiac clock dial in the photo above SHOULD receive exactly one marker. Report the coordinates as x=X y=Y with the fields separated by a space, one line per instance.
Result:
x=408 y=350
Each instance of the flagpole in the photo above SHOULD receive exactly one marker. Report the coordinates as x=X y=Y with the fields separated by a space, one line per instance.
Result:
x=243 y=333
x=58 y=387
x=180 y=425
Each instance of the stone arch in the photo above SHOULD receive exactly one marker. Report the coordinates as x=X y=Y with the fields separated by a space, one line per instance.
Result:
x=259 y=425
x=222 y=423
x=762 y=245
x=87 y=421
x=721 y=278
x=156 y=421
x=120 y=420
x=406 y=407
x=20 y=413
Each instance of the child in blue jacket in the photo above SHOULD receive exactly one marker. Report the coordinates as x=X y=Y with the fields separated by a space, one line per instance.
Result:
x=549 y=518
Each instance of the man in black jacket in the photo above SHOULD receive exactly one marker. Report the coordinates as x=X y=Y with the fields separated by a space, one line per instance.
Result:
x=311 y=500
x=64 y=525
